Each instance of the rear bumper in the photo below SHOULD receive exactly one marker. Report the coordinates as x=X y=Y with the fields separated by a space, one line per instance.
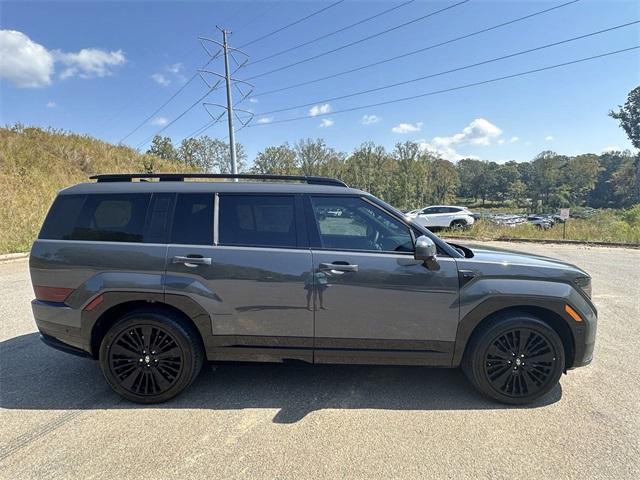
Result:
x=59 y=326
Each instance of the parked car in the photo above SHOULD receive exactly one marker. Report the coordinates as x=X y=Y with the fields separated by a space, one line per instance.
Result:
x=443 y=216
x=154 y=278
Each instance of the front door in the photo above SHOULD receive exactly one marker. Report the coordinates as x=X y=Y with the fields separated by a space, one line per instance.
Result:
x=373 y=302
x=252 y=279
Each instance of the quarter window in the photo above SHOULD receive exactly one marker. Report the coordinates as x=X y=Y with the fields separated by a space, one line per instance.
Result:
x=257 y=220
x=350 y=223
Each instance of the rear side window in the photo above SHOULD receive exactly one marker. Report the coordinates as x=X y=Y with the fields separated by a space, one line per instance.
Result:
x=112 y=218
x=108 y=218
x=257 y=220
x=193 y=219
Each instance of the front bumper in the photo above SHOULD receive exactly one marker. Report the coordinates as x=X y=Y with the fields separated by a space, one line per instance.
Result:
x=584 y=332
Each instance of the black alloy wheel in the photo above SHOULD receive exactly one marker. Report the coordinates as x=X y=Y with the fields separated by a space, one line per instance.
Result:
x=146 y=360
x=519 y=362
x=514 y=358
x=150 y=356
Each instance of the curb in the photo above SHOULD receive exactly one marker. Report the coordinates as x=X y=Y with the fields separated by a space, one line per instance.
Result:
x=11 y=257
x=539 y=240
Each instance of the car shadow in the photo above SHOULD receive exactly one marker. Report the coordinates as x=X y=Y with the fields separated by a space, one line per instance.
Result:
x=36 y=377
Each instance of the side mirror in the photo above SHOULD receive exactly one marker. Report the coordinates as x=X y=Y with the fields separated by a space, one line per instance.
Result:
x=425 y=248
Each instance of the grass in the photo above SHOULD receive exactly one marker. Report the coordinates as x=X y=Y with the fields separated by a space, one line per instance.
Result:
x=603 y=226
x=36 y=163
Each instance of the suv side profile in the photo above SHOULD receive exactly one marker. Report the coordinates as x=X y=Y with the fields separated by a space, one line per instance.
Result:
x=153 y=278
x=443 y=216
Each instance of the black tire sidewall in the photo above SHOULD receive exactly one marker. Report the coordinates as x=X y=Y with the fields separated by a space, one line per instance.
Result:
x=182 y=337
x=475 y=370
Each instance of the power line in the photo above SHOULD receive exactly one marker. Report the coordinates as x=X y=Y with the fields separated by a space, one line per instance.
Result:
x=300 y=20
x=356 y=42
x=326 y=35
x=164 y=104
x=460 y=87
x=413 y=52
x=261 y=14
x=457 y=69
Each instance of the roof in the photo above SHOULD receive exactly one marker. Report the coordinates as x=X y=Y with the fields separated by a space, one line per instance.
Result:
x=204 y=187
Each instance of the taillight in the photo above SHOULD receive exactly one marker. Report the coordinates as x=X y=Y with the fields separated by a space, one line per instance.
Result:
x=51 y=294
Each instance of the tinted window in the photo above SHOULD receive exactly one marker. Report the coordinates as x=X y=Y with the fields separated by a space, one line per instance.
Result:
x=107 y=218
x=257 y=220
x=358 y=226
x=62 y=217
x=112 y=218
x=193 y=219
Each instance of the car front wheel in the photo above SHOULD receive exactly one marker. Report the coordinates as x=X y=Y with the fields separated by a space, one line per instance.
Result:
x=150 y=357
x=515 y=359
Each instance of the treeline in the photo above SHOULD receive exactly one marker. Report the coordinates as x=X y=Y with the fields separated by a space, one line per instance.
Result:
x=410 y=177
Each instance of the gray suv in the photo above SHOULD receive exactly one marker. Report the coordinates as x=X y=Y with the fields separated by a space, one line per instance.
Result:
x=153 y=275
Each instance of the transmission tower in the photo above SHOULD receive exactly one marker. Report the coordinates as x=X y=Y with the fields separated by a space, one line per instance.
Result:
x=229 y=54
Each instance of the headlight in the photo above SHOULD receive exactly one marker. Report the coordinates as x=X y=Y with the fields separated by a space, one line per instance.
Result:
x=585 y=284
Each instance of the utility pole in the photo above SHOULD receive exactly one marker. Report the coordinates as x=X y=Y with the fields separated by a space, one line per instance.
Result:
x=227 y=77
x=230 y=82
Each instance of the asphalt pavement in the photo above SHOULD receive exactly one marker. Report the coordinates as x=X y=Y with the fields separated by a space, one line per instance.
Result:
x=58 y=418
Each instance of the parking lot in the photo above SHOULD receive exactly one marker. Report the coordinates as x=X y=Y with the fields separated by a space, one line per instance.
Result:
x=60 y=420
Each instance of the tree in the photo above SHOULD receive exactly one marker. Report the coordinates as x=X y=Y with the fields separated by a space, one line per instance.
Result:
x=369 y=168
x=545 y=177
x=580 y=175
x=162 y=147
x=444 y=180
x=506 y=175
x=629 y=116
x=314 y=157
x=280 y=160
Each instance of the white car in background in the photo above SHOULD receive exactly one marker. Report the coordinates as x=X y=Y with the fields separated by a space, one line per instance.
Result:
x=443 y=216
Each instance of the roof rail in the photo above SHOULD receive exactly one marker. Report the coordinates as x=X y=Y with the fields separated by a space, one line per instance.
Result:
x=180 y=177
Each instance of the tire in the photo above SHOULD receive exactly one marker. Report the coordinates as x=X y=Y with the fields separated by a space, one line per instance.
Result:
x=499 y=359
x=150 y=357
x=458 y=225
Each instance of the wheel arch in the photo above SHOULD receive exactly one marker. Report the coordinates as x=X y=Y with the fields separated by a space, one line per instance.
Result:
x=183 y=309
x=472 y=324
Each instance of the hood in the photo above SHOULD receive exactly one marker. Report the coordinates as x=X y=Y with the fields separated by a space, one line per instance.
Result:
x=520 y=263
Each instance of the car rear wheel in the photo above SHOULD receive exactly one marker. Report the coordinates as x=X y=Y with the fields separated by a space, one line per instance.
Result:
x=150 y=357
x=516 y=359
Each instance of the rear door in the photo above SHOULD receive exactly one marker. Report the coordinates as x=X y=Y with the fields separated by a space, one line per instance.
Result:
x=374 y=302
x=250 y=269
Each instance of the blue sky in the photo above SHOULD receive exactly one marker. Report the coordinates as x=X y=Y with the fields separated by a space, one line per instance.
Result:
x=102 y=67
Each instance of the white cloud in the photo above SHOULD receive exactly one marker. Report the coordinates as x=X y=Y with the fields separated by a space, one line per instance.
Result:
x=28 y=64
x=51 y=104
x=611 y=148
x=548 y=138
x=23 y=62
x=514 y=139
x=319 y=109
x=370 y=119
x=407 y=128
x=159 y=121
x=89 y=62
x=175 y=68
x=161 y=79
x=326 y=122
x=501 y=141
x=253 y=100
x=478 y=132
x=265 y=120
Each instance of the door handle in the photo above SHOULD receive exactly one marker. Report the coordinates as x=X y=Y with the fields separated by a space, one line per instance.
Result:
x=192 y=261
x=338 y=267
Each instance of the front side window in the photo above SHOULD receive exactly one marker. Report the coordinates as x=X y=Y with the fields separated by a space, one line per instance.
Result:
x=359 y=226
x=257 y=220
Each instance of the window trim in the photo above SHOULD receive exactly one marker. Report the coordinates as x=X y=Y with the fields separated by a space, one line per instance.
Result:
x=301 y=237
x=317 y=236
